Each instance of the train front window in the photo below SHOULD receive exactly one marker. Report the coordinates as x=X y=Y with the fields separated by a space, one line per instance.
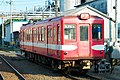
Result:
x=70 y=31
x=97 y=31
x=83 y=33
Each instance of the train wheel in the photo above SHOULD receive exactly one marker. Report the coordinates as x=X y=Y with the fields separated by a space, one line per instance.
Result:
x=96 y=67
x=85 y=71
x=67 y=70
x=54 y=65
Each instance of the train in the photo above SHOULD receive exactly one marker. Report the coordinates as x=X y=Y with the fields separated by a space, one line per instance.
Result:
x=67 y=43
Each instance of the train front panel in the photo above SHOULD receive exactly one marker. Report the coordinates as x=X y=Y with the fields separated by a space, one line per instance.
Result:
x=83 y=39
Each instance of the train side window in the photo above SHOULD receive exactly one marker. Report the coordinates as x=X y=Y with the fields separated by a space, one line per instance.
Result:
x=31 y=34
x=96 y=31
x=54 y=33
x=69 y=31
x=43 y=34
x=39 y=34
x=83 y=33
x=49 y=32
x=28 y=34
x=24 y=35
x=34 y=34
x=58 y=32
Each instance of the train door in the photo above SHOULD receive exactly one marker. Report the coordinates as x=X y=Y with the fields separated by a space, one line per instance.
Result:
x=56 y=40
x=49 y=40
x=83 y=41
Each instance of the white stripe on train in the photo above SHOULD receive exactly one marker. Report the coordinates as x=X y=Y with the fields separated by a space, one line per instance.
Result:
x=59 y=47
x=50 y=46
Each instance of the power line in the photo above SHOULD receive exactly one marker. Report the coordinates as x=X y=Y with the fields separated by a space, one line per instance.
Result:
x=27 y=3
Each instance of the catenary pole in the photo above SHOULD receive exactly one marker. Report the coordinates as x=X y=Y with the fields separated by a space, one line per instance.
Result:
x=2 y=30
x=11 y=27
x=56 y=8
x=116 y=21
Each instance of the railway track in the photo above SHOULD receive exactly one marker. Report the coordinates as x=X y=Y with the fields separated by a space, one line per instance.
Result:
x=83 y=76
x=1 y=77
x=20 y=76
x=71 y=77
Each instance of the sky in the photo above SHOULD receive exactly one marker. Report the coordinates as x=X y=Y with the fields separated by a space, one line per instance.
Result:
x=19 y=5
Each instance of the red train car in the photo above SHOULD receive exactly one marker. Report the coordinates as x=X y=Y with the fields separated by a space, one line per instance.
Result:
x=66 y=42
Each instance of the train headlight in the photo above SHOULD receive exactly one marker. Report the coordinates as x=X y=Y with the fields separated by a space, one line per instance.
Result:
x=65 y=53
x=101 y=52
x=84 y=16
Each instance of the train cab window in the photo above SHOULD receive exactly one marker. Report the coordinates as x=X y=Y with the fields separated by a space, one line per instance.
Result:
x=96 y=31
x=83 y=33
x=69 y=31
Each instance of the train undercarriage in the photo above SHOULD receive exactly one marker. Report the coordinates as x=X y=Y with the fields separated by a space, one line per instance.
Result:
x=67 y=66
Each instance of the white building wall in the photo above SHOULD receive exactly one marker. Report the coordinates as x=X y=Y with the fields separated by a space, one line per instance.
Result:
x=16 y=27
x=111 y=13
x=7 y=33
x=67 y=5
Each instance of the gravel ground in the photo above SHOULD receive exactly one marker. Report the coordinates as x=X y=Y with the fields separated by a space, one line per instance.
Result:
x=6 y=70
x=115 y=75
x=30 y=71
x=33 y=71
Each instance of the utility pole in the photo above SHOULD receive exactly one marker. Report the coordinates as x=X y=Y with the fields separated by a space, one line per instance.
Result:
x=116 y=34
x=2 y=30
x=11 y=27
x=56 y=8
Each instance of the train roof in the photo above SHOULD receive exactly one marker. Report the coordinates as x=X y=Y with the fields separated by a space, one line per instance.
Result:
x=56 y=19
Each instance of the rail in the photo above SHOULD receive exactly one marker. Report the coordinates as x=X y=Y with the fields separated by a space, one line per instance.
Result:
x=1 y=77
x=16 y=71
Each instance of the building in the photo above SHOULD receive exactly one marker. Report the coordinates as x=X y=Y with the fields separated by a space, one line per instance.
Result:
x=100 y=5
x=13 y=35
x=108 y=7
x=70 y=4
x=108 y=22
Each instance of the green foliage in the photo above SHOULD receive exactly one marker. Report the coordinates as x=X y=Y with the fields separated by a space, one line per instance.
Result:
x=8 y=21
